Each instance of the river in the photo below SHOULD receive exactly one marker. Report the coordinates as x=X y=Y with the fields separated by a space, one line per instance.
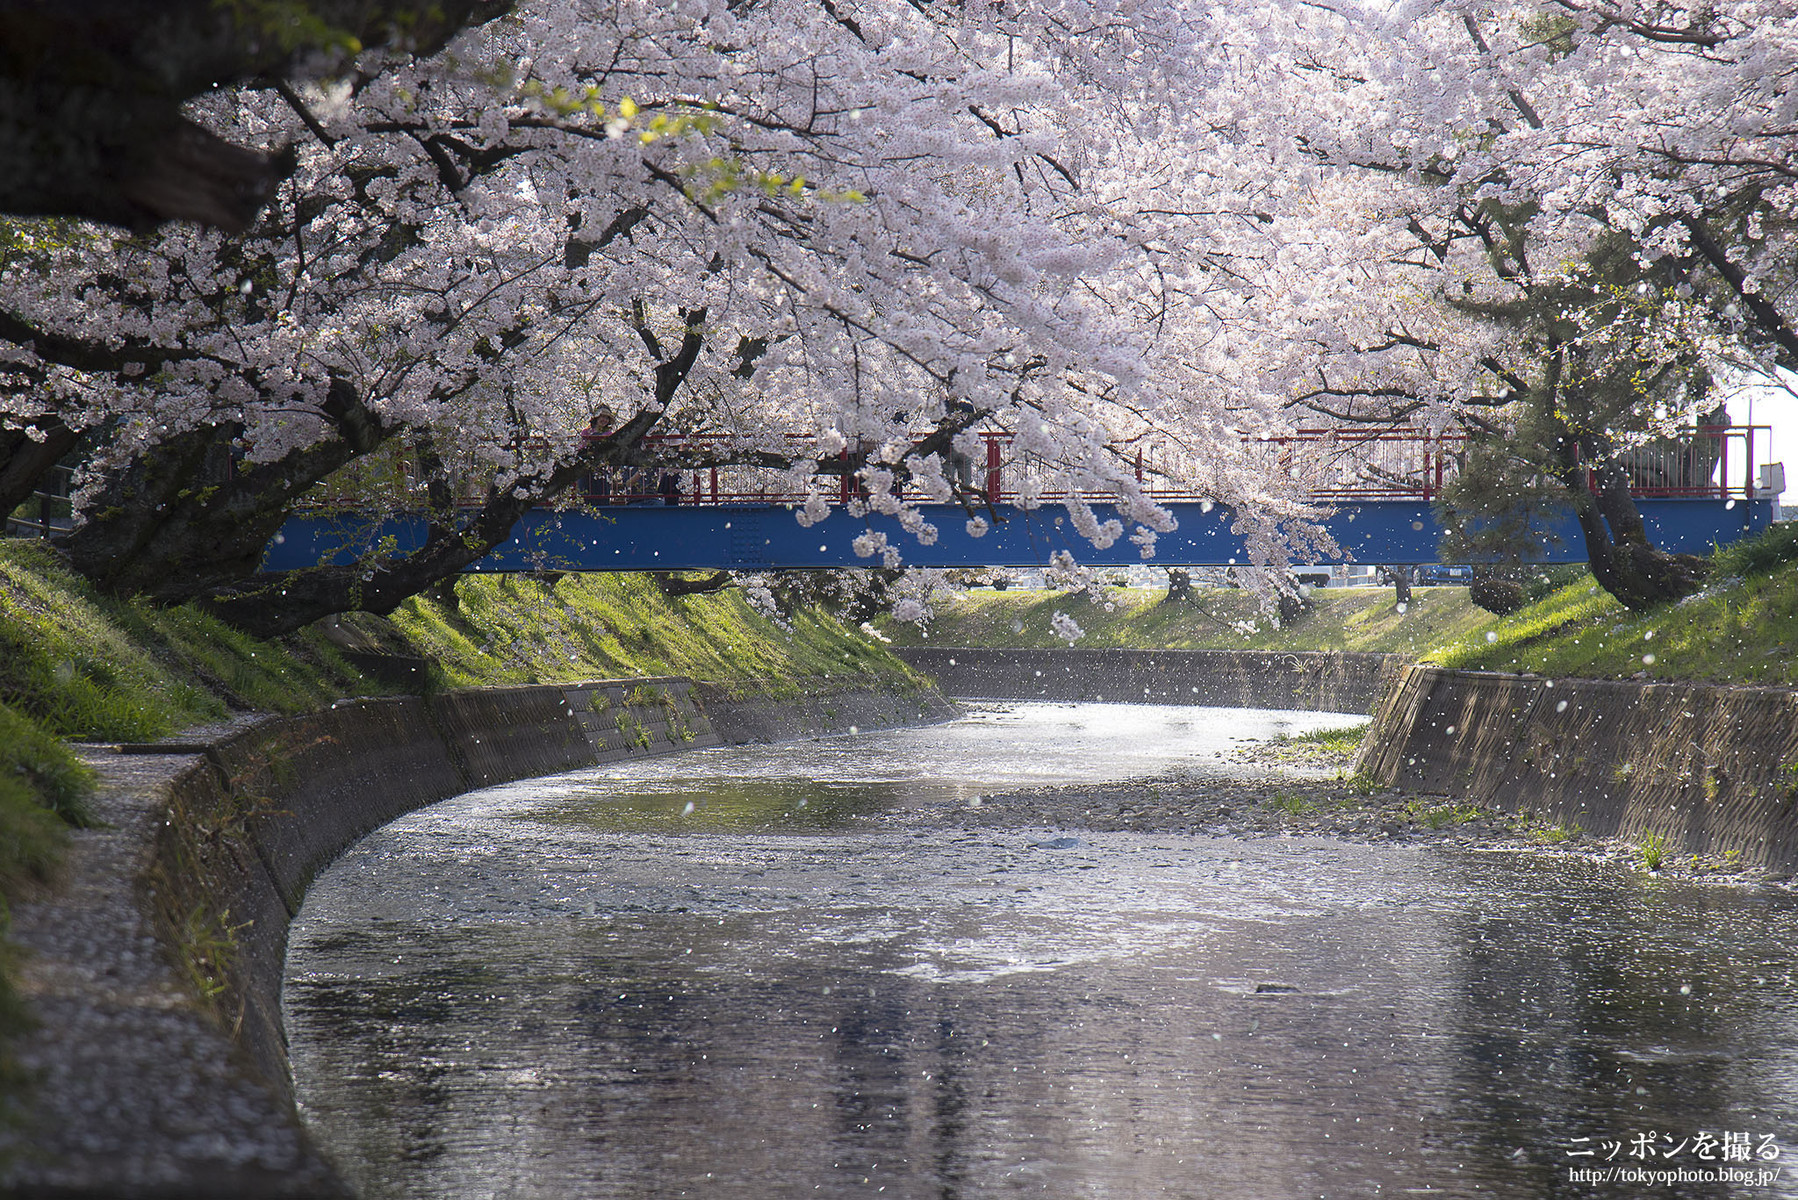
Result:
x=771 y=972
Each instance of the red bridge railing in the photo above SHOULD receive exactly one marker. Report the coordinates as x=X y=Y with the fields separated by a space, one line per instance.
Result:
x=1336 y=465
x=1332 y=465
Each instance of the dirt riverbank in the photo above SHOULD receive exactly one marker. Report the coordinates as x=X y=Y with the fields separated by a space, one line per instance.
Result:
x=1295 y=788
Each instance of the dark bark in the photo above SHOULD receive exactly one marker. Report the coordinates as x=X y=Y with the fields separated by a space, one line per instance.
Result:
x=1623 y=559
x=1179 y=587
x=180 y=521
x=1400 y=577
x=444 y=592
x=25 y=462
x=674 y=584
x=1290 y=605
x=91 y=96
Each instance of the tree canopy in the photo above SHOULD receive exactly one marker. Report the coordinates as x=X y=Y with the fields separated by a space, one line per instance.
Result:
x=812 y=226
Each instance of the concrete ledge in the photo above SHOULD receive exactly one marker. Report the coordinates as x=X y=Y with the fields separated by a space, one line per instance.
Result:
x=1712 y=768
x=1346 y=682
x=818 y=711
x=157 y=965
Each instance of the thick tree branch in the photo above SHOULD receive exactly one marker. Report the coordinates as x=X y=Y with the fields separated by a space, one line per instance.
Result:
x=91 y=95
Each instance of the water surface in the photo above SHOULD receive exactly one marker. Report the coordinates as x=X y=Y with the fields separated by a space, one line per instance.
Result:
x=746 y=973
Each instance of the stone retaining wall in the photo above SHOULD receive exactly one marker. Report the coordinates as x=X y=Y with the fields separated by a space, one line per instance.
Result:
x=1712 y=768
x=818 y=710
x=1345 y=682
x=206 y=856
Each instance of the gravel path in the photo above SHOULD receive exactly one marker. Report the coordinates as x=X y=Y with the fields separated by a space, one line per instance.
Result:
x=136 y=1091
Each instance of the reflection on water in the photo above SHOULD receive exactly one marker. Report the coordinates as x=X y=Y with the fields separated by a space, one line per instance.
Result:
x=826 y=782
x=525 y=993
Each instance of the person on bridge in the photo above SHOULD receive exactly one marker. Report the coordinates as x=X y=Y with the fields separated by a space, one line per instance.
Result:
x=596 y=485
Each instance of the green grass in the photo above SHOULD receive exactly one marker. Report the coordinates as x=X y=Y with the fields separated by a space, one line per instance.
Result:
x=1743 y=628
x=41 y=768
x=1652 y=849
x=1739 y=630
x=1557 y=833
x=86 y=666
x=1343 y=740
x=1292 y=805
x=1441 y=816
x=1338 y=619
x=1759 y=555
x=516 y=629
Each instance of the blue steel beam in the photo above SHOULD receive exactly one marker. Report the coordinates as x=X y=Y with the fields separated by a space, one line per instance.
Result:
x=768 y=537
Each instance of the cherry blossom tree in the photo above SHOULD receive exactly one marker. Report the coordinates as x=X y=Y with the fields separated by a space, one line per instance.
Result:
x=1568 y=221
x=843 y=222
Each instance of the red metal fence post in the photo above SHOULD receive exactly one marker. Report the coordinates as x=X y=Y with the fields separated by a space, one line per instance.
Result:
x=992 y=469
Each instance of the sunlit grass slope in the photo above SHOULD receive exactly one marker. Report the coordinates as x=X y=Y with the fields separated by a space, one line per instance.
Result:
x=1743 y=628
x=516 y=629
x=1338 y=619
x=86 y=666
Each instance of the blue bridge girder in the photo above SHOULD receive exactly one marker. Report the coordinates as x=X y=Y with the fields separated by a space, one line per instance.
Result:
x=764 y=537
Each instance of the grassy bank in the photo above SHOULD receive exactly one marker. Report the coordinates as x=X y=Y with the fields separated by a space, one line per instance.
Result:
x=1217 y=619
x=1743 y=628
x=77 y=666
x=518 y=629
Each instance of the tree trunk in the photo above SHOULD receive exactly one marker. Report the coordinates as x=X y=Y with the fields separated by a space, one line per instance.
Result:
x=181 y=521
x=24 y=462
x=1623 y=560
x=1400 y=577
x=1291 y=607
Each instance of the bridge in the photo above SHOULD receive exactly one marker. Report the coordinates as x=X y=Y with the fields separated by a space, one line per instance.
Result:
x=1692 y=499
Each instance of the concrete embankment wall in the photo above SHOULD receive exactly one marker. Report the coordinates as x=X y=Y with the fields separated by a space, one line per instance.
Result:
x=1712 y=768
x=224 y=838
x=1346 y=682
x=264 y=811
